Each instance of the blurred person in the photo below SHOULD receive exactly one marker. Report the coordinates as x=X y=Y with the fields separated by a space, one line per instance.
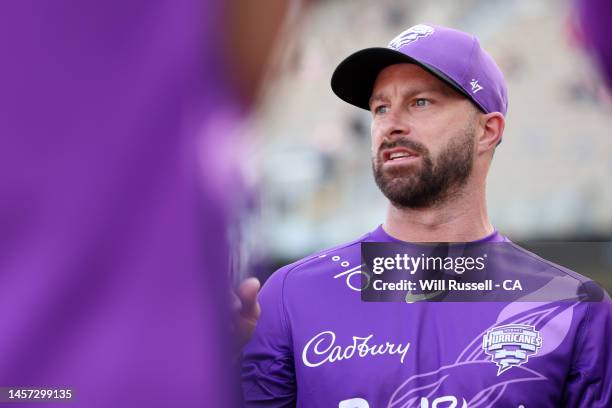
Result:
x=594 y=18
x=438 y=103
x=115 y=189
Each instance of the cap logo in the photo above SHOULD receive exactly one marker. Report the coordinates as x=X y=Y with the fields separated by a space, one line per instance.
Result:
x=475 y=86
x=410 y=35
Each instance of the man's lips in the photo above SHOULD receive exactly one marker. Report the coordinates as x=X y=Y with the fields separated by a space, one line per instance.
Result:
x=398 y=155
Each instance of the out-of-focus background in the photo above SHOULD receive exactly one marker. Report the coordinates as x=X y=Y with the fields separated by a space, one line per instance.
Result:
x=310 y=160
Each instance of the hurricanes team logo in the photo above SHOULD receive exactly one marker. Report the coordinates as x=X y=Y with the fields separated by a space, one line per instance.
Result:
x=511 y=345
x=410 y=35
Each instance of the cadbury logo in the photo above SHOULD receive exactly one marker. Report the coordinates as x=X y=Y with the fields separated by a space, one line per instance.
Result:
x=322 y=349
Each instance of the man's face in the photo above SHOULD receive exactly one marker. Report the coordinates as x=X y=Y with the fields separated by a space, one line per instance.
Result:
x=423 y=137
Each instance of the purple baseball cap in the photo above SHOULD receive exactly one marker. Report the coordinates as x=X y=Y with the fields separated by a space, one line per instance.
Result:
x=451 y=55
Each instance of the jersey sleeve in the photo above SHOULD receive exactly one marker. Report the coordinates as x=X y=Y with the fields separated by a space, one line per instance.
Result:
x=268 y=372
x=590 y=379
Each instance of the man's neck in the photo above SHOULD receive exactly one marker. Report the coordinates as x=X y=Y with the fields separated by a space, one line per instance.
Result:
x=461 y=219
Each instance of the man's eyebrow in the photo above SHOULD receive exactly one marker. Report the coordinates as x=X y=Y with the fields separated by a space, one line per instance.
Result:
x=377 y=97
x=437 y=88
x=406 y=94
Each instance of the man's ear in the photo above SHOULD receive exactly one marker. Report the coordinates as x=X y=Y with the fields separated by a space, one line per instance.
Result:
x=492 y=130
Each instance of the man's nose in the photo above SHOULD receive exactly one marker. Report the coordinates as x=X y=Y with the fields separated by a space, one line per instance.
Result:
x=395 y=124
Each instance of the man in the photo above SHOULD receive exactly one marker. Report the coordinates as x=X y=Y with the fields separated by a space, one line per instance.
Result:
x=438 y=104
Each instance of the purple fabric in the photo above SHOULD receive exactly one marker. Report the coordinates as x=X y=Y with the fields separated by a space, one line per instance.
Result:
x=318 y=345
x=112 y=253
x=595 y=17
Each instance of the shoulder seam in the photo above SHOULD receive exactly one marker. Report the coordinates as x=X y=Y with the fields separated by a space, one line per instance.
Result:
x=560 y=268
x=316 y=255
x=286 y=322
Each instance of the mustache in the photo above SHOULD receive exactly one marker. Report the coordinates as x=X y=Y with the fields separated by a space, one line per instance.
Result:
x=407 y=143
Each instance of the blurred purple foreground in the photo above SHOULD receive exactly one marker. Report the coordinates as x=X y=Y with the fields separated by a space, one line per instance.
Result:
x=112 y=252
x=595 y=19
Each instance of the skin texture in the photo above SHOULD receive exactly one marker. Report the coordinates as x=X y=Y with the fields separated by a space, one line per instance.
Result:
x=430 y=181
x=439 y=195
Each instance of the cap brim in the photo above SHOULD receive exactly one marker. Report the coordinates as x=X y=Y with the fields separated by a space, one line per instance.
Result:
x=353 y=79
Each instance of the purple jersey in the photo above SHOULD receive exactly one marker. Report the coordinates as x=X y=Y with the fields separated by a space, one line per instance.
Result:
x=318 y=345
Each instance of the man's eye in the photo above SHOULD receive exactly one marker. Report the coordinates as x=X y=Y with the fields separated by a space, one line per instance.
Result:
x=421 y=102
x=381 y=109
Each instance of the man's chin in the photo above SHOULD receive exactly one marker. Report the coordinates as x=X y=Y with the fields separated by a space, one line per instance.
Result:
x=405 y=200
x=405 y=192
x=399 y=191
x=402 y=181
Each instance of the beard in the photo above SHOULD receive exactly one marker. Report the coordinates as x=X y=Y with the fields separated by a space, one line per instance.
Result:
x=435 y=181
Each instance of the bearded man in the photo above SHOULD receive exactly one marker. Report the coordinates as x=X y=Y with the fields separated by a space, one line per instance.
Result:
x=438 y=103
